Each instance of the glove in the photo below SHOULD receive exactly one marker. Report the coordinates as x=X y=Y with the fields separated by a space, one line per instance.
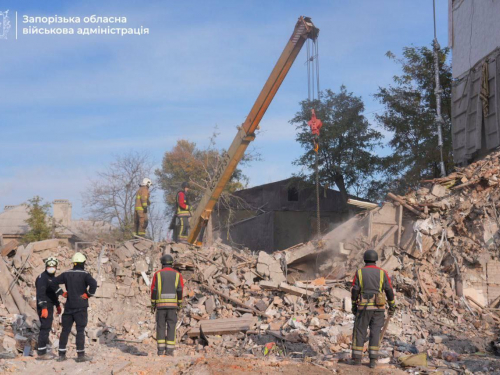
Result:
x=145 y=210
x=85 y=296
x=59 y=310
x=354 y=309
x=392 y=308
x=45 y=313
x=153 y=308
x=65 y=294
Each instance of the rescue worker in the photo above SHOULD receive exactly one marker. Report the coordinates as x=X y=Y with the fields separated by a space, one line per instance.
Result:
x=80 y=286
x=166 y=299
x=370 y=287
x=46 y=299
x=142 y=204
x=183 y=214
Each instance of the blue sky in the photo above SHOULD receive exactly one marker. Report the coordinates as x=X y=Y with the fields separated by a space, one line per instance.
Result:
x=69 y=104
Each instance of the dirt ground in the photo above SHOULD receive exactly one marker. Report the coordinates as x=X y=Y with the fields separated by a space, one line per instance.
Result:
x=114 y=361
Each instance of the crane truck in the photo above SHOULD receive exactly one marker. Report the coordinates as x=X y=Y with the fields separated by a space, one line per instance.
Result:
x=304 y=29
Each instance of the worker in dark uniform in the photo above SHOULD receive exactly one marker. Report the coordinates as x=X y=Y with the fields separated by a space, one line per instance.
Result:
x=370 y=287
x=80 y=286
x=166 y=299
x=183 y=214
x=46 y=299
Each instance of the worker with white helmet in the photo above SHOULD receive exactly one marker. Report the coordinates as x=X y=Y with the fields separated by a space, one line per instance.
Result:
x=46 y=300
x=141 y=207
x=80 y=286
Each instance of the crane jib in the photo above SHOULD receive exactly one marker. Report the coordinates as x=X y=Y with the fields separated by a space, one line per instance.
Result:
x=304 y=29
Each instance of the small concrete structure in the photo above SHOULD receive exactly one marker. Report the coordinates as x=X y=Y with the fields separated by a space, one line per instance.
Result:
x=279 y=215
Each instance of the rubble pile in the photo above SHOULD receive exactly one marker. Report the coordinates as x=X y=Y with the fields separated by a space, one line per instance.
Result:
x=442 y=256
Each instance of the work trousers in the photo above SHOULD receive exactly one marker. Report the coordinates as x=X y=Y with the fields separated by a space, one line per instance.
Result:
x=80 y=318
x=166 y=319
x=373 y=319
x=182 y=229
x=141 y=222
x=45 y=327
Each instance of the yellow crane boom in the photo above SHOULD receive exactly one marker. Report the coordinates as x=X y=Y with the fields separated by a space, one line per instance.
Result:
x=304 y=29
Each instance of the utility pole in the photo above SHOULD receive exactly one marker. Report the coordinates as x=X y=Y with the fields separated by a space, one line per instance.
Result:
x=437 y=92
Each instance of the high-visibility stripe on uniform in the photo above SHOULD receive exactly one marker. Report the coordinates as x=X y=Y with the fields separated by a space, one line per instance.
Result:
x=139 y=209
x=360 y=277
x=159 y=292
x=381 y=280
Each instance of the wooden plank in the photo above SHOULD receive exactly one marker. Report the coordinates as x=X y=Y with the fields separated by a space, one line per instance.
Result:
x=407 y=206
x=287 y=288
x=9 y=248
x=400 y=224
x=234 y=300
x=223 y=326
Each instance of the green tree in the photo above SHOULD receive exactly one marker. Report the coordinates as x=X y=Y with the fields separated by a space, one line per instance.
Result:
x=410 y=110
x=346 y=142
x=187 y=162
x=38 y=221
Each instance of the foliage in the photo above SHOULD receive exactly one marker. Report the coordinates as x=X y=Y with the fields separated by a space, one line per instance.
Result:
x=410 y=109
x=38 y=221
x=346 y=142
x=187 y=162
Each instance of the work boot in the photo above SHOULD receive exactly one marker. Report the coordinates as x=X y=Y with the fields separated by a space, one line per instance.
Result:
x=62 y=357
x=82 y=357
x=45 y=356
x=373 y=363
x=161 y=351
x=356 y=361
x=170 y=352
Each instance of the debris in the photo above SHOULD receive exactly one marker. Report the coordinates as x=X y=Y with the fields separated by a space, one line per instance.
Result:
x=415 y=360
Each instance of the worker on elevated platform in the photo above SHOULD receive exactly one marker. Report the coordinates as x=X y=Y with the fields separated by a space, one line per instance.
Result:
x=142 y=204
x=183 y=213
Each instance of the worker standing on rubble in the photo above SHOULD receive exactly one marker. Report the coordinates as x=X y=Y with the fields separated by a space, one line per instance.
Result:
x=46 y=299
x=368 y=305
x=183 y=214
x=142 y=204
x=80 y=286
x=166 y=299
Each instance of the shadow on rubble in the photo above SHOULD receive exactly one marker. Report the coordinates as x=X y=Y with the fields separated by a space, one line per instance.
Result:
x=126 y=348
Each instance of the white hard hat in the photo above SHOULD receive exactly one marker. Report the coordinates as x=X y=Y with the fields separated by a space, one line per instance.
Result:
x=146 y=182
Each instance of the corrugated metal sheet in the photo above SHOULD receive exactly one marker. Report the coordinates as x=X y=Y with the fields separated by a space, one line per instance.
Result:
x=470 y=138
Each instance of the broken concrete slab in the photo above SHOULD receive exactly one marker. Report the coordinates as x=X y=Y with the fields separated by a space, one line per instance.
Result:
x=287 y=288
x=224 y=326
x=44 y=245
x=106 y=290
x=438 y=190
x=9 y=248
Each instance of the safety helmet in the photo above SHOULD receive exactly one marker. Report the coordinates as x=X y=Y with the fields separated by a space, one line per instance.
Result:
x=167 y=259
x=185 y=184
x=370 y=256
x=146 y=182
x=51 y=262
x=78 y=258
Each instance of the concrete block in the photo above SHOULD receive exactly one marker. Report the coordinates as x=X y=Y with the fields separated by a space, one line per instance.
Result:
x=106 y=290
x=141 y=266
x=438 y=191
x=44 y=245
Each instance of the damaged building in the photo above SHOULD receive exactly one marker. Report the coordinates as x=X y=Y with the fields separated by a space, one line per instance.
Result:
x=13 y=224
x=283 y=213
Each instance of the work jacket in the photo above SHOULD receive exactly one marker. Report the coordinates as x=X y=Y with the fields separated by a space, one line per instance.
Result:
x=182 y=204
x=166 y=288
x=369 y=282
x=45 y=292
x=142 y=199
x=77 y=282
